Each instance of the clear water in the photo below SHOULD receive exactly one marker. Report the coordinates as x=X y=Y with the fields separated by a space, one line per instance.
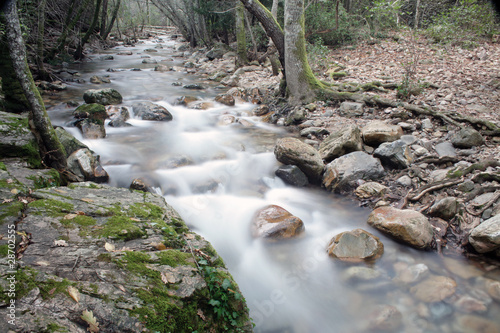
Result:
x=292 y=286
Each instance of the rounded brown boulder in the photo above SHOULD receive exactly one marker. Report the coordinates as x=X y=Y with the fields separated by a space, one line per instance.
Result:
x=355 y=245
x=275 y=222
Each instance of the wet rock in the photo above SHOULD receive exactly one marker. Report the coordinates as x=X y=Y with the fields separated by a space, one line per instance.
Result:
x=86 y=165
x=469 y=304
x=396 y=154
x=306 y=158
x=217 y=52
x=15 y=136
x=341 y=142
x=201 y=105
x=225 y=99
x=99 y=79
x=102 y=96
x=359 y=274
x=119 y=118
x=377 y=132
x=91 y=130
x=355 y=245
x=226 y=119
x=370 y=190
x=261 y=110
x=344 y=172
x=231 y=81
x=125 y=53
x=445 y=149
x=107 y=57
x=470 y=323
x=445 y=208
x=95 y=112
x=193 y=86
x=151 y=111
x=385 y=318
x=434 y=289
x=412 y=274
x=405 y=225
x=141 y=184
x=493 y=289
x=351 y=109
x=460 y=268
x=162 y=68
x=150 y=50
x=467 y=138
x=149 y=61
x=486 y=236
x=292 y=175
x=274 y=222
x=58 y=86
x=440 y=310
x=185 y=100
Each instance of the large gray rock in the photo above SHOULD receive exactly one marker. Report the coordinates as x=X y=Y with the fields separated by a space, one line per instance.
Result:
x=343 y=173
x=355 y=245
x=85 y=165
x=16 y=140
x=306 y=158
x=95 y=112
x=119 y=118
x=91 y=130
x=275 y=223
x=292 y=175
x=445 y=149
x=111 y=251
x=405 y=225
x=377 y=132
x=351 y=109
x=445 y=208
x=341 y=142
x=486 y=236
x=69 y=142
x=467 y=138
x=396 y=154
x=151 y=111
x=107 y=96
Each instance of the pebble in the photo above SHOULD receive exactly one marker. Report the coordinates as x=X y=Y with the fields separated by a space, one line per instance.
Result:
x=404 y=181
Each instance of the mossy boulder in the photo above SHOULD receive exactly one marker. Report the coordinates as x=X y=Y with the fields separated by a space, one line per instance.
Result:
x=95 y=112
x=107 y=96
x=16 y=139
x=124 y=255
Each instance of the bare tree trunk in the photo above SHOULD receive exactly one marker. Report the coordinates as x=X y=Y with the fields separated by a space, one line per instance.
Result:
x=242 y=58
x=271 y=49
x=300 y=79
x=417 y=14
x=85 y=39
x=52 y=151
x=113 y=19
x=274 y=8
x=104 y=18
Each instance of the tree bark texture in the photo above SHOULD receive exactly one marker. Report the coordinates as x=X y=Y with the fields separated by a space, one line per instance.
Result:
x=241 y=36
x=113 y=19
x=300 y=79
x=85 y=39
x=51 y=150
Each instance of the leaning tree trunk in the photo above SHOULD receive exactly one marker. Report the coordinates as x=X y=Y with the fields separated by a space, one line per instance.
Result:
x=112 y=22
x=300 y=80
x=85 y=39
x=43 y=74
x=104 y=18
x=51 y=150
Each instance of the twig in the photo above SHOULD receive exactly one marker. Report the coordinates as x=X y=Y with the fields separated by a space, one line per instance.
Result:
x=432 y=187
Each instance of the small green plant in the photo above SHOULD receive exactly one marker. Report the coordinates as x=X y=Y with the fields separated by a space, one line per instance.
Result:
x=409 y=84
x=224 y=297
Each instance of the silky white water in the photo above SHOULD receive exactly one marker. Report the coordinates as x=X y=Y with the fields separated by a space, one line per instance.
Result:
x=217 y=176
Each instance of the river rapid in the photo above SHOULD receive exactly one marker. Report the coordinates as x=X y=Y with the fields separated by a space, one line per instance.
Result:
x=218 y=175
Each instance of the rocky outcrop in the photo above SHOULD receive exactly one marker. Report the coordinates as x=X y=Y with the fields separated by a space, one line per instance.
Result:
x=16 y=140
x=116 y=260
x=341 y=142
x=343 y=173
x=107 y=96
x=276 y=223
x=355 y=245
x=85 y=165
x=486 y=236
x=306 y=158
x=405 y=225
x=151 y=111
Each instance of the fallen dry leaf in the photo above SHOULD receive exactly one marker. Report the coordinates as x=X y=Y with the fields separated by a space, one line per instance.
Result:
x=14 y=191
x=69 y=216
x=42 y=263
x=87 y=200
x=122 y=288
x=167 y=277
x=109 y=247
x=7 y=200
x=74 y=293
x=200 y=313
x=89 y=318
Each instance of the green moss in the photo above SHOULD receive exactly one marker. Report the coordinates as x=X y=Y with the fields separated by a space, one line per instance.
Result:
x=50 y=287
x=10 y=209
x=2 y=166
x=82 y=220
x=104 y=257
x=51 y=178
x=121 y=227
x=4 y=250
x=51 y=207
x=174 y=258
x=25 y=281
x=145 y=211
x=135 y=262
x=53 y=328
x=32 y=154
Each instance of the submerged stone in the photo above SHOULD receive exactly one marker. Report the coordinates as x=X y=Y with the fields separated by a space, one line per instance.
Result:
x=275 y=222
x=355 y=245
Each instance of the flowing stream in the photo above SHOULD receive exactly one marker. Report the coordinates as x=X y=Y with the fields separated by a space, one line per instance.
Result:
x=216 y=176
